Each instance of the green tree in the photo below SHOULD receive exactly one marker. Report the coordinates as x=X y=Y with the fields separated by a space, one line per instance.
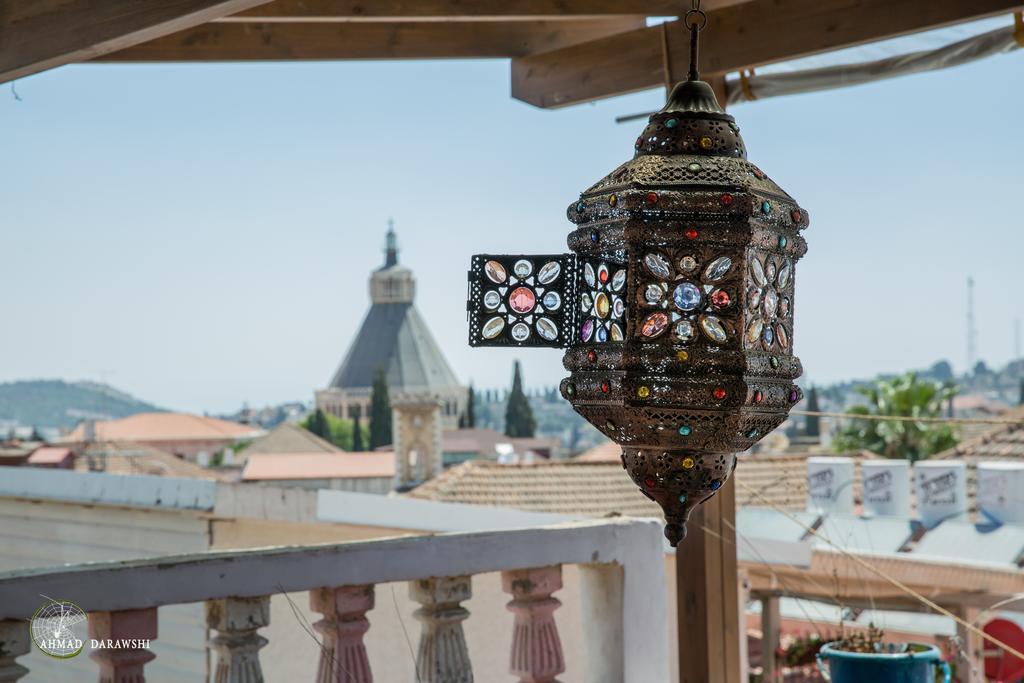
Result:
x=519 y=419
x=380 y=412
x=813 y=424
x=906 y=396
x=1020 y=399
x=469 y=417
x=340 y=432
x=317 y=423
x=357 y=431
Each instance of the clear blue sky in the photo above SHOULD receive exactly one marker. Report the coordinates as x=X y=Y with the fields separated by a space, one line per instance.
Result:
x=201 y=235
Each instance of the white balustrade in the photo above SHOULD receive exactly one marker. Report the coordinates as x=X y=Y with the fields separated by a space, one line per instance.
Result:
x=123 y=664
x=536 y=648
x=622 y=588
x=442 y=656
x=237 y=643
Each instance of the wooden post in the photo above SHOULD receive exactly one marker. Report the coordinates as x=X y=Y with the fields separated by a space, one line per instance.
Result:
x=770 y=624
x=123 y=665
x=237 y=642
x=536 y=648
x=707 y=593
x=14 y=642
x=443 y=656
x=970 y=662
x=342 y=655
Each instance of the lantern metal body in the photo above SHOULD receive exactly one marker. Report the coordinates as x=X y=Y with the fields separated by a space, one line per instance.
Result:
x=675 y=305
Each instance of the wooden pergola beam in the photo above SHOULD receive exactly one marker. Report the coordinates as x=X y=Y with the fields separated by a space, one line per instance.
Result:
x=36 y=35
x=369 y=40
x=741 y=36
x=504 y=10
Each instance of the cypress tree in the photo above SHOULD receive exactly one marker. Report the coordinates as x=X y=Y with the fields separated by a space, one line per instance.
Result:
x=380 y=412
x=357 y=430
x=813 y=424
x=317 y=424
x=518 y=414
x=471 y=408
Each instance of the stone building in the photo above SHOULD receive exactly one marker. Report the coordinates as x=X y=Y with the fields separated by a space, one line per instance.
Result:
x=426 y=396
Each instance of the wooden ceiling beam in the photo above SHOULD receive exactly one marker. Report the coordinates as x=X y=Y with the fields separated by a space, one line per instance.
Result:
x=36 y=35
x=373 y=40
x=741 y=36
x=480 y=10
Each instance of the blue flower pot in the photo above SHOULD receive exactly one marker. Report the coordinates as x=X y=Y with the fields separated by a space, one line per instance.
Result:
x=916 y=664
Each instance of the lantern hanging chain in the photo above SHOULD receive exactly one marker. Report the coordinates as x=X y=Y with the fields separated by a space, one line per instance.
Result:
x=911 y=418
x=695 y=20
x=899 y=585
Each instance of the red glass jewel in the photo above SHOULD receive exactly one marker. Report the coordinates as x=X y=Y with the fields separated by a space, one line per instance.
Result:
x=592 y=355
x=602 y=274
x=796 y=215
x=758 y=397
x=719 y=393
x=522 y=299
x=691 y=234
x=605 y=387
x=638 y=141
x=649 y=482
x=726 y=199
x=652 y=197
x=720 y=298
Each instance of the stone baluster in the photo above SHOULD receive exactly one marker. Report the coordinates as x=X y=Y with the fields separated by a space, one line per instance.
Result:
x=132 y=627
x=443 y=656
x=14 y=642
x=342 y=654
x=237 y=642
x=536 y=648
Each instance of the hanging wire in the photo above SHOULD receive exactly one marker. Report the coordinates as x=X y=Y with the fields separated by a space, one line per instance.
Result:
x=695 y=20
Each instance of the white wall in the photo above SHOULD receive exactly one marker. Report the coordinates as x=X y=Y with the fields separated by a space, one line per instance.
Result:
x=34 y=533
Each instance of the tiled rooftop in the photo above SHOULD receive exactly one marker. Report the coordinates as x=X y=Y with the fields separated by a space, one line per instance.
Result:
x=163 y=427
x=597 y=486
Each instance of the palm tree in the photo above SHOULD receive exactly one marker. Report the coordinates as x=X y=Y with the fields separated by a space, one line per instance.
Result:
x=906 y=396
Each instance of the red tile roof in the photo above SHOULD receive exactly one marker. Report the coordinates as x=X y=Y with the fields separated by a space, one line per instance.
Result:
x=165 y=427
x=48 y=455
x=276 y=466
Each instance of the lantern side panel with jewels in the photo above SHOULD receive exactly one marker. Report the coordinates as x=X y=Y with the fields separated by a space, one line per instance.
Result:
x=676 y=303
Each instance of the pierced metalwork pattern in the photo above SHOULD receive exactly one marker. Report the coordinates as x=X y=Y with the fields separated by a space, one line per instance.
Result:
x=522 y=300
x=601 y=300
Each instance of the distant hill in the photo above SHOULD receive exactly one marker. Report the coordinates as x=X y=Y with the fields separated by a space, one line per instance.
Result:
x=54 y=403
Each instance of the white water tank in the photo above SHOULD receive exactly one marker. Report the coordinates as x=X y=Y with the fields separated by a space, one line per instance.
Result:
x=941 y=488
x=1001 y=491
x=886 y=486
x=830 y=484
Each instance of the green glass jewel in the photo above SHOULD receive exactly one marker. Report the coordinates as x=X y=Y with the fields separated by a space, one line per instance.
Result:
x=685 y=430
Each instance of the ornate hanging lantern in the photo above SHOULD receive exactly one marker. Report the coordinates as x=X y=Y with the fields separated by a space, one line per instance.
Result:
x=675 y=303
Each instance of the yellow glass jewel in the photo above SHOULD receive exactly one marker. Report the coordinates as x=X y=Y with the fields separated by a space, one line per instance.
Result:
x=643 y=392
x=601 y=305
x=683 y=355
x=688 y=463
x=706 y=142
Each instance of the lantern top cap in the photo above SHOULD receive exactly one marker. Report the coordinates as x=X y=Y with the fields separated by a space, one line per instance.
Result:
x=695 y=97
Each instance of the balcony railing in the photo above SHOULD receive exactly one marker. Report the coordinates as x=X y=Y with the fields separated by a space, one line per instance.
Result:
x=622 y=585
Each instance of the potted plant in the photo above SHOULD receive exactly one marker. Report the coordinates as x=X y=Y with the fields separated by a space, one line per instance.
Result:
x=867 y=657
